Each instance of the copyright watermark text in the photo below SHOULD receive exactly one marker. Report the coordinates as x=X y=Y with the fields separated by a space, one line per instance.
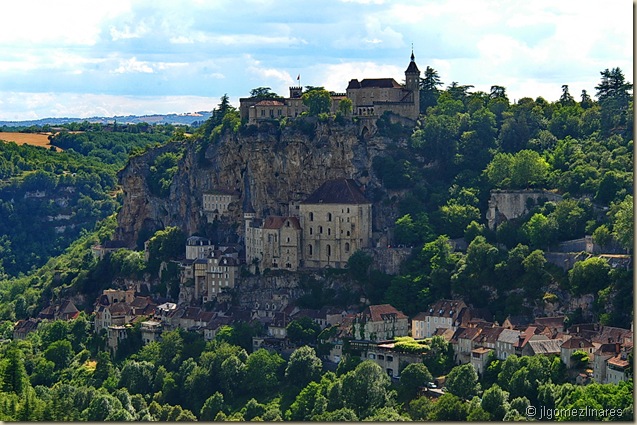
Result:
x=547 y=413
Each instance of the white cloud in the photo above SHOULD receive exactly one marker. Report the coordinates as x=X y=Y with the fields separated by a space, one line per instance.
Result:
x=133 y=65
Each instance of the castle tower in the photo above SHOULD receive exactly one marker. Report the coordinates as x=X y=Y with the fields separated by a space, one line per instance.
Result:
x=412 y=82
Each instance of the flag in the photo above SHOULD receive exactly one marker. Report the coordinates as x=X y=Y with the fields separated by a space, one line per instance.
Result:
x=298 y=78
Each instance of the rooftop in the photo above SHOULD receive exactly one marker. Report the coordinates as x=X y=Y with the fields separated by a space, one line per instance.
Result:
x=339 y=191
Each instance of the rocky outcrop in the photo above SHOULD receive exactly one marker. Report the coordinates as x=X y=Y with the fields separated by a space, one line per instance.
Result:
x=275 y=168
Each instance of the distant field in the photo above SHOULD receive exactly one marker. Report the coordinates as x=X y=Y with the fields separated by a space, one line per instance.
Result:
x=36 y=139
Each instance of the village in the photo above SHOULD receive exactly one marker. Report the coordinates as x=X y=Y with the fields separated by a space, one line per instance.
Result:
x=323 y=232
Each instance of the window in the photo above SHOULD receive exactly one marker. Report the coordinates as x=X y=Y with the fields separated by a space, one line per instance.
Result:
x=309 y=250
x=346 y=246
x=310 y=230
x=321 y=230
x=311 y=216
x=329 y=231
x=329 y=216
x=263 y=112
x=329 y=250
x=390 y=359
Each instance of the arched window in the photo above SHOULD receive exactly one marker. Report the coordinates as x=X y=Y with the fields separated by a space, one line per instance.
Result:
x=321 y=230
x=346 y=246
x=309 y=250
x=311 y=216
x=329 y=216
x=311 y=231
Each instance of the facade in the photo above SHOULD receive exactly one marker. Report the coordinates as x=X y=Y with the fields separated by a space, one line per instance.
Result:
x=504 y=346
x=203 y=279
x=444 y=314
x=198 y=247
x=273 y=243
x=216 y=203
x=336 y=221
x=573 y=344
x=381 y=323
x=370 y=97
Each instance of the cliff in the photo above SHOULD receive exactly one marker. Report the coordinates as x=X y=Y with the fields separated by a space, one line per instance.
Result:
x=275 y=168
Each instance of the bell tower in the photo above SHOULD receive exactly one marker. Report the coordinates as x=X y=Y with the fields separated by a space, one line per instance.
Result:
x=412 y=83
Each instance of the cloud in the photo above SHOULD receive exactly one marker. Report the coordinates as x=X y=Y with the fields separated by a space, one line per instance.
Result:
x=133 y=65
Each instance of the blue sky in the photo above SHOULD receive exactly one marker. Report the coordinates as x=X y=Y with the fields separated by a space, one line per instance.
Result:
x=86 y=58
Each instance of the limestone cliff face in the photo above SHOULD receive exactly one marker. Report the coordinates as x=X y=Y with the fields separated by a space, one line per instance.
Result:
x=275 y=169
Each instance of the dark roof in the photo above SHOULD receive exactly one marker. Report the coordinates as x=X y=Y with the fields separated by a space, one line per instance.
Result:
x=340 y=191
x=576 y=342
x=382 y=83
x=412 y=65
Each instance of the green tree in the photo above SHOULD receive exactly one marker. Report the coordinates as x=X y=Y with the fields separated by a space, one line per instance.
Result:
x=589 y=276
x=263 y=372
x=366 y=388
x=462 y=381
x=303 y=330
x=262 y=93
x=14 y=374
x=345 y=106
x=213 y=405
x=495 y=401
x=303 y=367
x=412 y=377
x=449 y=407
x=622 y=214
x=318 y=100
x=60 y=353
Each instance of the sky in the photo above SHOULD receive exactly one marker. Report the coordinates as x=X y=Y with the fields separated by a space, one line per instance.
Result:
x=84 y=58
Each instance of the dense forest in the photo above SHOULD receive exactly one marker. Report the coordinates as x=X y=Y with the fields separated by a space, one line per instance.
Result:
x=438 y=176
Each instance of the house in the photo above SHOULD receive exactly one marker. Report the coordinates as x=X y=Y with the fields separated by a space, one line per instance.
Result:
x=506 y=342
x=101 y=250
x=115 y=335
x=573 y=344
x=151 y=331
x=23 y=327
x=543 y=346
x=554 y=323
x=610 y=362
x=198 y=247
x=382 y=322
x=278 y=326
x=462 y=342
x=64 y=310
x=336 y=221
x=517 y=322
x=480 y=358
x=443 y=314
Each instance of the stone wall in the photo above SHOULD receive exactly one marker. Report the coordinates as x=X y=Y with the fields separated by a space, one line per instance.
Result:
x=506 y=205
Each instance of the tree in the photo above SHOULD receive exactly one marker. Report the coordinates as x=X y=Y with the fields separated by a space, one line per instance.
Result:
x=14 y=377
x=602 y=236
x=589 y=276
x=303 y=367
x=263 y=372
x=318 y=100
x=462 y=381
x=414 y=376
x=345 y=106
x=366 y=388
x=623 y=223
x=213 y=405
x=60 y=353
x=566 y=99
x=429 y=89
x=449 y=407
x=494 y=401
x=262 y=93
x=164 y=245
x=303 y=330
x=540 y=231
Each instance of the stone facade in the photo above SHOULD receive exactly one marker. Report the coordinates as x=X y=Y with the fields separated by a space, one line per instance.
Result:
x=216 y=202
x=336 y=221
x=273 y=243
x=507 y=205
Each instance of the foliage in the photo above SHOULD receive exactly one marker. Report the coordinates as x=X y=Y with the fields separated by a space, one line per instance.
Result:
x=318 y=100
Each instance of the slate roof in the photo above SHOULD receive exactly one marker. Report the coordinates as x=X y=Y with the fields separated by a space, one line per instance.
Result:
x=546 y=346
x=339 y=191
x=509 y=336
x=383 y=83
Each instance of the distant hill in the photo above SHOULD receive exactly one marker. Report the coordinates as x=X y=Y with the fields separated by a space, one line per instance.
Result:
x=185 y=118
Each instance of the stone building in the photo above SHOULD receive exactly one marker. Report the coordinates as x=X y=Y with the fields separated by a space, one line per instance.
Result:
x=203 y=279
x=336 y=221
x=273 y=243
x=375 y=96
x=216 y=203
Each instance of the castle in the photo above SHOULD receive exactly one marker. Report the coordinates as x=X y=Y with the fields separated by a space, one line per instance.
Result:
x=371 y=98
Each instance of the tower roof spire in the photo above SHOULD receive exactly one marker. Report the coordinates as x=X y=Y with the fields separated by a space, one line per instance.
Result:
x=412 y=68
